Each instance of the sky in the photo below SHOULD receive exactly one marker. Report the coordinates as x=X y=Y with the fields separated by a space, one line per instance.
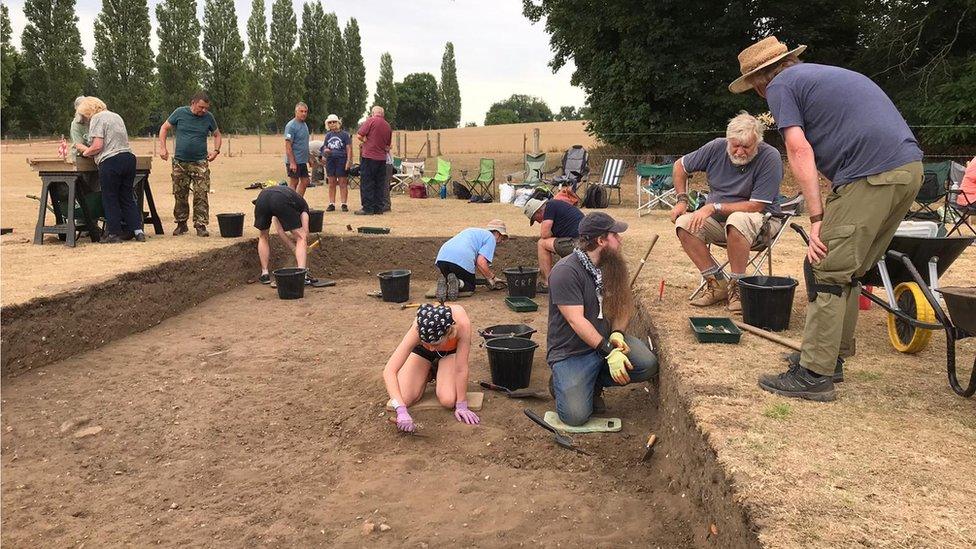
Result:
x=498 y=51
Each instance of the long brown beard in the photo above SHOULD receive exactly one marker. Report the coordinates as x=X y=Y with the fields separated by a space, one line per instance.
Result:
x=618 y=300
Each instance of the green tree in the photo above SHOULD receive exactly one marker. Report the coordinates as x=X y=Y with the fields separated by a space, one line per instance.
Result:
x=258 y=93
x=53 y=72
x=287 y=68
x=178 y=62
x=417 y=102
x=449 y=94
x=526 y=108
x=356 y=73
x=386 y=91
x=124 y=61
x=501 y=116
x=8 y=57
x=315 y=45
x=224 y=51
x=338 y=80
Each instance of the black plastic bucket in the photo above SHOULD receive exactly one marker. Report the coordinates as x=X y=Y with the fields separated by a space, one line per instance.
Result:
x=521 y=281
x=315 y=221
x=395 y=285
x=291 y=282
x=507 y=330
x=510 y=360
x=767 y=301
x=231 y=224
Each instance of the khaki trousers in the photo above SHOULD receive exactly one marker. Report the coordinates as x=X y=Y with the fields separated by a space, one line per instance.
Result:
x=860 y=219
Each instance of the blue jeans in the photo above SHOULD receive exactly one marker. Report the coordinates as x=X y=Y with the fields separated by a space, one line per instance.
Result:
x=371 y=176
x=575 y=379
x=116 y=176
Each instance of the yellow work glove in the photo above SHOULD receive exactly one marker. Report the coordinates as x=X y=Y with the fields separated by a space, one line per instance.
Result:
x=619 y=365
x=617 y=340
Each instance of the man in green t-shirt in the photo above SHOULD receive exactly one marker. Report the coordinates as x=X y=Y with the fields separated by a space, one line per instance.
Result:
x=191 y=162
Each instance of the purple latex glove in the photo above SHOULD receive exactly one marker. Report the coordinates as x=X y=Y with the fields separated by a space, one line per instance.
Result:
x=403 y=421
x=464 y=415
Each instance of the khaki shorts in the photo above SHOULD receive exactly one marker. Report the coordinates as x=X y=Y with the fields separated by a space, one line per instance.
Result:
x=564 y=246
x=713 y=231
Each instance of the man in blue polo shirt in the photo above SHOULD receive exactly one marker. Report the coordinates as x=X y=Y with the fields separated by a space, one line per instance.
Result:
x=296 y=149
x=840 y=123
x=744 y=175
x=558 y=231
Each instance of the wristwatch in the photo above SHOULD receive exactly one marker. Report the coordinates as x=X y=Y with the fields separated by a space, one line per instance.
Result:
x=605 y=347
x=717 y=206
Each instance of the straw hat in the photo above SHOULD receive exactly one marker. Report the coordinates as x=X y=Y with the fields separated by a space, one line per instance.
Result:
x=497 y=225
x=758 y=56
x=531 y=207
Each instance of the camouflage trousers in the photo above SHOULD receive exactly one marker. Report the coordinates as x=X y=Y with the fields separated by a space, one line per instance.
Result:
x=195 y=176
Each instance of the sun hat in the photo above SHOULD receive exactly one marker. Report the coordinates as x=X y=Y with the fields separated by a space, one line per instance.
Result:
x=758 y=56
x=599 y=223
x=497 y=225
x=531 y=207
x=332 y=118
x=433 y=321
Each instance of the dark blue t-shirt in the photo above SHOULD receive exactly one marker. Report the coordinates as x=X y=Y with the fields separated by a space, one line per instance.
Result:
x=336 y=143
x=854 y=128
x=758 y=181
x=565 y=218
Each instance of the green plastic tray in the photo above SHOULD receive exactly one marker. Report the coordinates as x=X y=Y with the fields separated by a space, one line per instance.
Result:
x=374 y=230
x=521 y=304
x=722 y=329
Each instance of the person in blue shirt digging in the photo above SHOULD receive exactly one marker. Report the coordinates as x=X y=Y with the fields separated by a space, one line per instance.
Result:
x=470 y=251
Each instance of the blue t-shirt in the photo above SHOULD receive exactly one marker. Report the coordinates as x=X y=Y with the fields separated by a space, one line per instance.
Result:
x=297 y=134
x=336 y=143
x=854 y=128
x=466 y=246
x=565 y=218
x=758 y=181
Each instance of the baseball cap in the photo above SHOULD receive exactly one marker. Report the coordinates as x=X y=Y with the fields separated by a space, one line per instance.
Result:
x=599 y=223
x=531 y=207
x=332 y=118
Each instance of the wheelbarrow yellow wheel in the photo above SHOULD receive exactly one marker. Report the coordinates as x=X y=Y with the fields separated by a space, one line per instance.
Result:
x=905 y=337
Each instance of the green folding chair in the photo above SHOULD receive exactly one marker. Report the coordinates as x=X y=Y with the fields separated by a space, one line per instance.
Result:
x=484 y=184
x=442 y=176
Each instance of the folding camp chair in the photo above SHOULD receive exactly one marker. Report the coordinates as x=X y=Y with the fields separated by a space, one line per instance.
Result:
x=612 y=175
x=935 y=183
x=535 y=168
x=962 y=212
x=442 y=176
x=407 y=172
x=484 y=184
x=575 y=168
x=655 y=183
x=762 y=248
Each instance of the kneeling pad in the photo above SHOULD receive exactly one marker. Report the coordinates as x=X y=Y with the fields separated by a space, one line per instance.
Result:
x=429 y=402
x=594 y=425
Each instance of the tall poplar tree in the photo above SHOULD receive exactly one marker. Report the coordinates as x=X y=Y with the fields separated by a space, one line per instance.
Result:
x=224 y=51
x=338 y=80
x=287 y=69
x=178 y=62
x=315 y=46
x=124 y=61
x=258 y=99
x=8 y=57
x=53 y=69
x=448 y=94
x=356 y=74
x=386 y=93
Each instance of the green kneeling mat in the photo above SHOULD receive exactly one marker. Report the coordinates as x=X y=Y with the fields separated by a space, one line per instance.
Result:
x=594 y=425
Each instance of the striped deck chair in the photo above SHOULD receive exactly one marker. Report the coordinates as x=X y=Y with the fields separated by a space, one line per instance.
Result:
x=611 y=177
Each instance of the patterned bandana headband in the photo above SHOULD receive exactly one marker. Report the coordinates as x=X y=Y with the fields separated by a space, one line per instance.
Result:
x=433 y=321
x=596 y=273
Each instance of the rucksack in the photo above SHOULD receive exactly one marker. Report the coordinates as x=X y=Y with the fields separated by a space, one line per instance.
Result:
x=540 y=194
x=596 y=196
x=460 y=191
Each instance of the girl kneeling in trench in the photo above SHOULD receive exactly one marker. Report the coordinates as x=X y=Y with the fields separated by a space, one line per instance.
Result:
x=437 y=347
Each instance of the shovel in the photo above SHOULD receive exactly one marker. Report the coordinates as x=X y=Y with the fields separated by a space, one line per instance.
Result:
x=517 y=393
x=561 y=439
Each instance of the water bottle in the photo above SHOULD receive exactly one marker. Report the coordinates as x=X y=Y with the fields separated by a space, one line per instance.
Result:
x=444 y=190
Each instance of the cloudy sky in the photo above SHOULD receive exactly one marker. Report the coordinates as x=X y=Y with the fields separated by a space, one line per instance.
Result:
x=498 y=51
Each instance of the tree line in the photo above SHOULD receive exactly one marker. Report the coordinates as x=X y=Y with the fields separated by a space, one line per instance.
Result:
x=251 y=89
x=665 y=67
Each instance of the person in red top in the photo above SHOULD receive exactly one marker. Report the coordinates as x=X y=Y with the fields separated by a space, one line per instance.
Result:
x=967 y=188
x=437 y=347
x=374 y=136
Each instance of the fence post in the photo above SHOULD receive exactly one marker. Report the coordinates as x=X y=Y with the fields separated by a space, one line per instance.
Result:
x=398 y=145
x=428 y=144
x=535 y=140
x=260 y=150
x=525 y=140
x=230 y=152
x=406 y=149
x=438 y=143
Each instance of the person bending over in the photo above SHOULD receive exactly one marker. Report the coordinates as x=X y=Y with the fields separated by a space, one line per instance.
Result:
x=590 y=305
x=472 y=250
x=284 y=208
x=435 y=348
x=558 y=230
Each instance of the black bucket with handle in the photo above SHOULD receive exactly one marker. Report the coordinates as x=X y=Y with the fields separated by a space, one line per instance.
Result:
x=521 y=281
x=315 y=218
x=231 y=224
x=395 y=285
x=510 y=361
x=290 y=282
x=767 y=301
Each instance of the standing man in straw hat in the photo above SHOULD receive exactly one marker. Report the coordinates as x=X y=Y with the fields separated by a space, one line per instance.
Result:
x=840 y=123
x=471 y=250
